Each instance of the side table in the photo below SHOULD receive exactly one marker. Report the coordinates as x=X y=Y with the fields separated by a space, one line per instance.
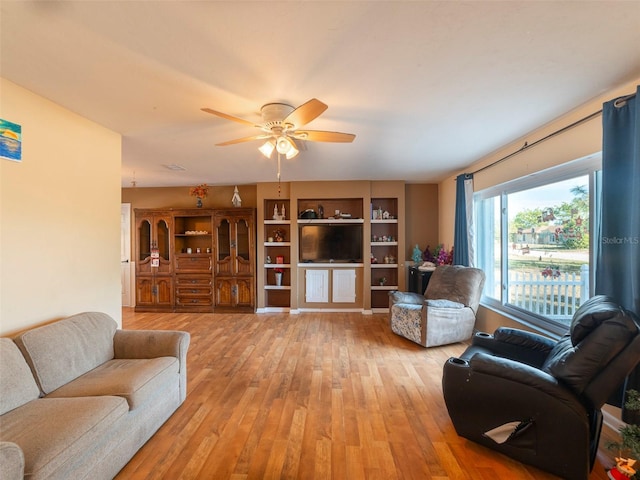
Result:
x=418 y=280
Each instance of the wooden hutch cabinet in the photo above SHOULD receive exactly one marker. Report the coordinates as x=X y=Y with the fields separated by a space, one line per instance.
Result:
x=154 y=270
x=235 y=259
x=195 y=260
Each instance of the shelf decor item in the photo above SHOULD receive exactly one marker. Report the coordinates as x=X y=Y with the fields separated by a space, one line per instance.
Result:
x=278 y=273
x=236 y=200
x=200 y=192
x=278 y=234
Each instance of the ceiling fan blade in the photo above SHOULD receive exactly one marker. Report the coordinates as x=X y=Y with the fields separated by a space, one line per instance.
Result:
x=305 y=113
x=229 y=117
x=322 y=136
x=244 y=139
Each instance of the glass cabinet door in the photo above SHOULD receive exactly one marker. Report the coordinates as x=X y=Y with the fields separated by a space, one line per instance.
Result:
x=224 y=246
x=243 y=256
x=242 y=234
x=163 y=239
x=144 y=240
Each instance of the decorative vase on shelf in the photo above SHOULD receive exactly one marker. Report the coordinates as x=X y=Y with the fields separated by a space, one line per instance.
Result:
x=278 y=279
x=199 y=203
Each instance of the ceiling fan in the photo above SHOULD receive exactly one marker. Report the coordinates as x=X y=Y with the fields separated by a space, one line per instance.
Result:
x=281 y=127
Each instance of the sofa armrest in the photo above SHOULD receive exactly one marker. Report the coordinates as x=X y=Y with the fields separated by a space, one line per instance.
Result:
x=132 y=344
x=11 y=461
x=151 y=344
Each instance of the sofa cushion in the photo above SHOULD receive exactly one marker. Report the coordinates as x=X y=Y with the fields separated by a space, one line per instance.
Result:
x=136 y=380
x=59 y=352
x=16 y=380
x=79 y=424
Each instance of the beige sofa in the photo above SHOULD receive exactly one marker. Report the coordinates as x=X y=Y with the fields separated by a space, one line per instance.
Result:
x=79 y=397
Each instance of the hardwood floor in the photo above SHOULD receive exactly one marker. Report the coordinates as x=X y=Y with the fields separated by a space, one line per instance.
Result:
x=311 y=396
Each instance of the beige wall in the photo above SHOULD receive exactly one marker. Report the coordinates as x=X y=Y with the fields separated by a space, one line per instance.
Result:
x=59 y=215
x=421 y=203
x=572 y=144
x=421 y=210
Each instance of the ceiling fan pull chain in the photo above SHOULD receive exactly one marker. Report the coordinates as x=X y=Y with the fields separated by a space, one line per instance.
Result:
x=279 y=174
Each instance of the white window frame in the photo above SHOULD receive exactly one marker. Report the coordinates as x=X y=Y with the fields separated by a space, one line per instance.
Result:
x=591 y=166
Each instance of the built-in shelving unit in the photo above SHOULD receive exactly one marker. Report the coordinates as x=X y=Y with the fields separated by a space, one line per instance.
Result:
x=384 y=251
x=326 y=267
x=331 y=251
x=277 y=254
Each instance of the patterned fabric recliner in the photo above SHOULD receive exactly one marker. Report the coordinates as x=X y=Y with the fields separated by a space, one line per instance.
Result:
x=446 y=313
x=537 y=400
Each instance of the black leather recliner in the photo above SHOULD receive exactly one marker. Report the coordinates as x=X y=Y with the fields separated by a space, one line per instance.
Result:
x=537 y=400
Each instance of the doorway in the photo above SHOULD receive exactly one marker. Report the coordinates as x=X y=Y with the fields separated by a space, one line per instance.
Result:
x=125 y=253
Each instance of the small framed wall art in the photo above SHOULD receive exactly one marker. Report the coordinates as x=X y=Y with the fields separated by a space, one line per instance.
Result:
x=10 y=141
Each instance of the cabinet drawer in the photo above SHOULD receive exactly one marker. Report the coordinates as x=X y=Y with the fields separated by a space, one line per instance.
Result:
x=194 y=290
x=193 y=280
x=183 y=300
x=193 y=263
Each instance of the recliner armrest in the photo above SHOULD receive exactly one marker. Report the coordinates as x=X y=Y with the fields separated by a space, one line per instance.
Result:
x=520 y=377
x=520 y=345
x=443 y=303
x=524 y=339
x=406 y=297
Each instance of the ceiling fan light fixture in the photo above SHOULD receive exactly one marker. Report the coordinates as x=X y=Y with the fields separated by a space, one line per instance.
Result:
x=267 y=148
x=293 y=152
x=283 y=145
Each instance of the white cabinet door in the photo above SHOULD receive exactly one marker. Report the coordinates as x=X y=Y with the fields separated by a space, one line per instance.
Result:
x=343 y=288
x=317 y=285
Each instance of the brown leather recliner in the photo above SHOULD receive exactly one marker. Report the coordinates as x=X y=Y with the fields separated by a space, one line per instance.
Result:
x=538 y=401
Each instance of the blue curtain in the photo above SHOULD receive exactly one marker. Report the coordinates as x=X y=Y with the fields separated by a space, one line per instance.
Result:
x=618 y=259
x=463 y=227
x=618 y=256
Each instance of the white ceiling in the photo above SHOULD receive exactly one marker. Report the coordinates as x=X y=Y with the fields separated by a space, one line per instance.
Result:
x=427 y=87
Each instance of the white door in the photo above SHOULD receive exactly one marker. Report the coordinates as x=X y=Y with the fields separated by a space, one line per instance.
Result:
x=125 y=253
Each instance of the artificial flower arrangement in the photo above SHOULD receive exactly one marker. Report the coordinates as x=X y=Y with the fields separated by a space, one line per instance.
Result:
x=199 y=191
x=439 y=256
x=278 y=270
x=630 y=444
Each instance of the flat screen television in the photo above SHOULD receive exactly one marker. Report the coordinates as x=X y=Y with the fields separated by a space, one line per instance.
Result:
x=326 y=243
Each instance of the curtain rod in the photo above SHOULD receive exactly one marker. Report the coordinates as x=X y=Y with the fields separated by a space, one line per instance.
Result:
x=618 y=103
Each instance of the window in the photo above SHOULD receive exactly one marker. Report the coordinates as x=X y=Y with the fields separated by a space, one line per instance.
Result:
x=534 y=243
